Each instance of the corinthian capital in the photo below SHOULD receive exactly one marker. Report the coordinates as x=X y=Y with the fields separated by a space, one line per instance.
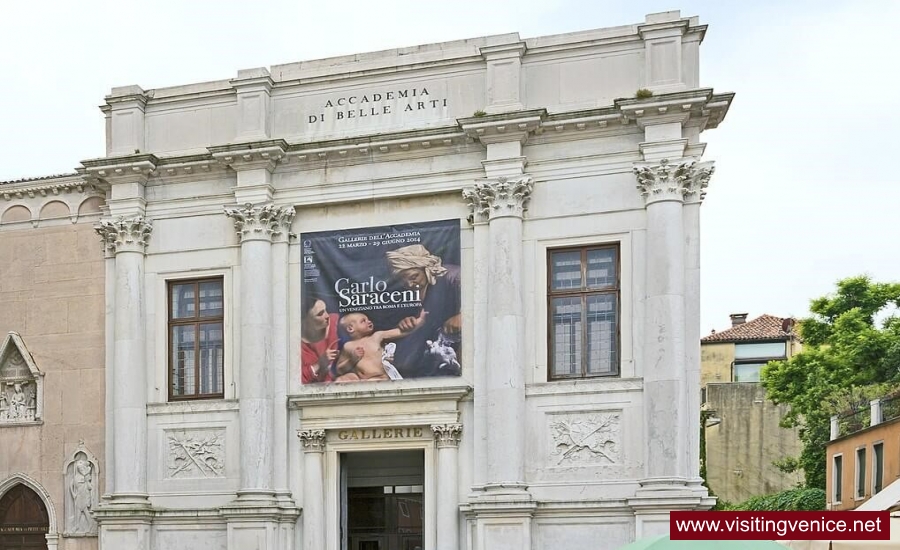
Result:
x=680 y=180
x=124 y=234
x=313 y=440
x=262 y=222
x=446 y=435
x=499 y=198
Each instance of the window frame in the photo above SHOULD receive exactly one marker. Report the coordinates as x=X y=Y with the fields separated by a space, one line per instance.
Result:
x=758 y=358
x=583 y=292
x=875 y=467
x=859 y=489
x=837 y=481
x=761 y=360
x=195 y=321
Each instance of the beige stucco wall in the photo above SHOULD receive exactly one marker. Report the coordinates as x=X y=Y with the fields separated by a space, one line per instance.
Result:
x=740 y=449
x=715 y=363
x=52 y=294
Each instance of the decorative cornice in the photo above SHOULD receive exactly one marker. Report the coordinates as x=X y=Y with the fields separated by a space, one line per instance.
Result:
x=503 y=127
x=125 y=234
x=698 y=107
x=263 y=222
x=251 y=156
x=128 y=169
x=672 y=180
x=52 y=189
x=313 y=440
x=446 y=435
x=502 y=197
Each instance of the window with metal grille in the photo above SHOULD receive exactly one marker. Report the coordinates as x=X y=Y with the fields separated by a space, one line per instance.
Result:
x=196 y=339
x=583 y=312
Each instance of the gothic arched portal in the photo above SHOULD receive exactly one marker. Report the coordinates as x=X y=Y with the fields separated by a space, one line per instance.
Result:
x=24 y=522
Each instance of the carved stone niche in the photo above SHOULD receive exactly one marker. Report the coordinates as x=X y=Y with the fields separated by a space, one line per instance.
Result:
x=82 y=490
x=21 y=384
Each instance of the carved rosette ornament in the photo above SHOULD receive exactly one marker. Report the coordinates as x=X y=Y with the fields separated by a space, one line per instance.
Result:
x=499 y=198
x=447 y=435
x=680 y=180
x=125 y=234
x=262 y=222
x=313 y=440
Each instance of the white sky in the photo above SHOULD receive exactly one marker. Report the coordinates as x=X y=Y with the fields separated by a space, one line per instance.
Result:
x=805 y=192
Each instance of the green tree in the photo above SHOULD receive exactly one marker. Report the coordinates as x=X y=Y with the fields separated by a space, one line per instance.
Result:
x=844 y=347
x=790 y=500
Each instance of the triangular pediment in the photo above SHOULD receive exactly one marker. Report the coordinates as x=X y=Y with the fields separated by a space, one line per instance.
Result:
x=16 y=362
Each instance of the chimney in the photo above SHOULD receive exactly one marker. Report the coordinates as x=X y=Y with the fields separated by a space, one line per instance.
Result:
x=738 y=319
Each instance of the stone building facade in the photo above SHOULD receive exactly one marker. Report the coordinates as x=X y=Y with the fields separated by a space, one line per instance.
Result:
x=552 y=406
x=744 y=439
x=52 y=323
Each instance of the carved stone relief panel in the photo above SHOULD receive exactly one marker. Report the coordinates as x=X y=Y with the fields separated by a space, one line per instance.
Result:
x=585 y=439
x=195 y=454
x=21 y=384
x=82 y=478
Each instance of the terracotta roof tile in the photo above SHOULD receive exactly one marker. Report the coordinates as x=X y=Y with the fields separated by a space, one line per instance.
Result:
x=764 y=327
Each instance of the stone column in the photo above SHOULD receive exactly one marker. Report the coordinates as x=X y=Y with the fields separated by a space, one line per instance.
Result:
x=280 y=353
x=256 y=226
x=480 y=293
x=109 y=254
x=127 y=238
x=693 y=196
x=446 y=437
x=503 y=202
x=313 y=488
x=663 y=185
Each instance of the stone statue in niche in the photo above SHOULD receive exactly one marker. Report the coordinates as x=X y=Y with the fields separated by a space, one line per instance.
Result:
x=81 y=492
x=21 y=384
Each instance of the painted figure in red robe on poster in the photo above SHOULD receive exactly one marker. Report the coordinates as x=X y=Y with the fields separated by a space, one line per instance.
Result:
x=319 y=337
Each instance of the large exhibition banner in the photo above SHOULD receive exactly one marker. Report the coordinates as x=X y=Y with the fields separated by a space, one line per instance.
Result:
x=381 y=303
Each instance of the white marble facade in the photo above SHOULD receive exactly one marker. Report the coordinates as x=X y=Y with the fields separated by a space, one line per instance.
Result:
x=532 y=144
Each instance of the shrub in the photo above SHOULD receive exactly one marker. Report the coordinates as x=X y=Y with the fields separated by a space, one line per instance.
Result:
x=790 y=500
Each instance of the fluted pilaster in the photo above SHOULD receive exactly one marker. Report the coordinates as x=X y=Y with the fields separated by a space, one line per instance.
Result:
x=127 y=239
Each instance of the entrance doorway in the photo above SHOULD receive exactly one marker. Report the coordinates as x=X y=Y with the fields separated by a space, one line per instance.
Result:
x=382 y=500
x=23 y=520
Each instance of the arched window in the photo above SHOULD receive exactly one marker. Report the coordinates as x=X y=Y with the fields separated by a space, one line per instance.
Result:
x=23 y=519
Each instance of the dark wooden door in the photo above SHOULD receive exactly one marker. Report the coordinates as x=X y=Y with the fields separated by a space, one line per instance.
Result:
x=23 y=520
x=382 y=520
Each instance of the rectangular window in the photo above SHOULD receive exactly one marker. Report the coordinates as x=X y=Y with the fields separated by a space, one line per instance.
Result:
x=747 y=372
x=877 y=467
x=759 y=350
x=196 y=339
x=861 y=473
x=837 y=479
x=583 y=307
